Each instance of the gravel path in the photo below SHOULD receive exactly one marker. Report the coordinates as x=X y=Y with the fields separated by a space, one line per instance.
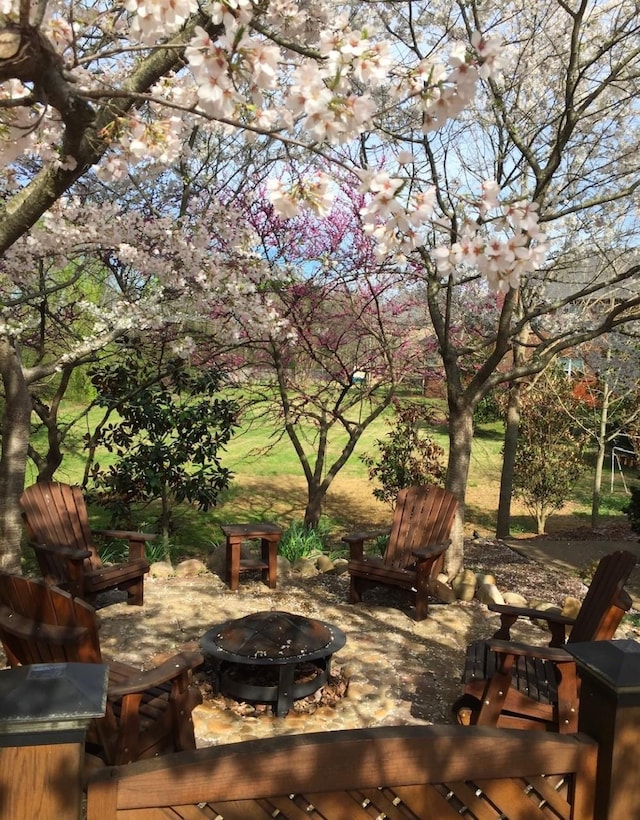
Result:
x=398 y=671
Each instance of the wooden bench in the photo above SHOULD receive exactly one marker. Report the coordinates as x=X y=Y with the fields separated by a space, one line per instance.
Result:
x=426 y=772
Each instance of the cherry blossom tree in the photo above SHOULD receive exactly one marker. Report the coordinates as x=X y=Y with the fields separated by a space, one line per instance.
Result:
x=83 y=278
x=562 y=133
x=480 y=136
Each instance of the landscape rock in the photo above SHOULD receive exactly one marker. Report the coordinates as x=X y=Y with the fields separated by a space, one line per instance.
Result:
x=325 y=564
x=305 y=567
x=217 y=561
x=464 y=585
x=340 y=566
x=570 y=607
x=515 y=599
x=546 y=606
x=190 y=568
x=489 y=594
x=283 y=566
x=485 y=578
x=443 y=592
x=160 y=569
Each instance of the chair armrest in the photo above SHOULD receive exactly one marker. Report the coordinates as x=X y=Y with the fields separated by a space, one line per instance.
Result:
x=527 y=612
x=365 y=535
x=556 y=622
x=137 y=540
x=62 y=552
x=556 y=654
x=126 y=535
x=356 y=540
x=431 y=551
x=167 y=671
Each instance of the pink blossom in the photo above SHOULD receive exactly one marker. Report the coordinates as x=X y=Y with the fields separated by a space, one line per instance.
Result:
x=490 y=195
x=488 y=48
x=284 y=203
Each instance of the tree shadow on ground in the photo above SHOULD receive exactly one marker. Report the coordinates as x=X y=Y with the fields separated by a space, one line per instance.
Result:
x=346 y=505
x=401 y=671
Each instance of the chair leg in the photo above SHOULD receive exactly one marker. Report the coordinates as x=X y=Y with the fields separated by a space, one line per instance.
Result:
x=355 y=591
x=135 y=593
x=185 y=696
x=422 y=604
x=495 y=694
x=568 y=699
x=466 y=709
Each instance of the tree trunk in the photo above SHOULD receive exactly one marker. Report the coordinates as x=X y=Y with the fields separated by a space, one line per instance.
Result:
x=602 y=443
x=13 y=456
x=165 y=516
x=541 y=520
x=460 y=442
x=503 y=523
x=597 y=486
x=48 y=466
x=313 y=510
x=508 y=464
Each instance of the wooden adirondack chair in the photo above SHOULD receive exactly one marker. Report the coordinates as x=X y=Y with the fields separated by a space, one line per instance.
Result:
x=514 y=685
x=57 y=524
x=146 y=713
x=415 y=553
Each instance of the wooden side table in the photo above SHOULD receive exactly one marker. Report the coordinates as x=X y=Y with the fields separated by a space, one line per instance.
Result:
x=269 y=535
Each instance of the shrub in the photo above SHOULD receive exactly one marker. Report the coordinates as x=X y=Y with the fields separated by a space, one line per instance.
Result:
x=489 y=409
x=299 y=541
x=169 y=434
x=406 y=457
x=117 y=551
x=549 y=452
x=632 y=510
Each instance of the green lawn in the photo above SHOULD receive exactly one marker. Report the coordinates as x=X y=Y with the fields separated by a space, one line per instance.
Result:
x=269 y=484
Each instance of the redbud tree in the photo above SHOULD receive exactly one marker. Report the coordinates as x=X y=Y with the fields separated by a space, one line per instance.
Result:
x=352 y=338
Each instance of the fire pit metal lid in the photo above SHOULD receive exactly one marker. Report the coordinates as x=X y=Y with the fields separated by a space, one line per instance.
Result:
x=272 y=638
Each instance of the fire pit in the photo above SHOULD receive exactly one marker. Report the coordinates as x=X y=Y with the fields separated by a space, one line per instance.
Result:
x=271 y=657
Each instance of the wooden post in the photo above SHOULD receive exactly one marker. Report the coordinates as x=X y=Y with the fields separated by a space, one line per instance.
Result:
x=45 y=710
x=610 y=713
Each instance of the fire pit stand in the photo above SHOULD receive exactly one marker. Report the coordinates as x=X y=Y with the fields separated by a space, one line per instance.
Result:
x=244 y=650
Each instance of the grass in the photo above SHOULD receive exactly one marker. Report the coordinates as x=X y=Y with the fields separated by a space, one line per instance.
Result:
x=269 y=485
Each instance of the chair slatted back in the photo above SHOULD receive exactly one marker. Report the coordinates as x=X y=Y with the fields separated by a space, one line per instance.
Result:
x=56 y=514
x=423 y=517
x=43 y=624
x=606 y=601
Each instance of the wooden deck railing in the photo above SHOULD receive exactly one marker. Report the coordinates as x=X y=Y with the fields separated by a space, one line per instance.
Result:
x=423 y=773
x=436 y=772
x=394 y=772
